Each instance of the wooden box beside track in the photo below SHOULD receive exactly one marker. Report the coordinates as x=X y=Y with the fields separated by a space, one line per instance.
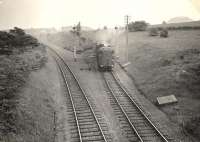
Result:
x=166 y=100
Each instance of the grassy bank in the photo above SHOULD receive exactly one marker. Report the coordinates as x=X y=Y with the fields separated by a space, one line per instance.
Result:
x=165 y=66
x=20 y=55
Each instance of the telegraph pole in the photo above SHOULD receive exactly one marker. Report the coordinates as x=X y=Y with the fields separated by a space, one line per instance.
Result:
x=76 y=32
x=116 y=35
x=126 y=19
x=74 y=35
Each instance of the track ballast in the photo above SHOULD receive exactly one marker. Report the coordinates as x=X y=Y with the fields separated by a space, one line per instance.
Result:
x=136 y=124
x=86 y=125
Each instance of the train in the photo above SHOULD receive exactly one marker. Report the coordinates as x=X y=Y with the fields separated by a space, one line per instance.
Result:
x=105 y=57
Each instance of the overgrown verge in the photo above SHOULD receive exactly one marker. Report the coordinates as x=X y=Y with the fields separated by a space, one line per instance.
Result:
x=19 y=55
x=169 y=66
x=69 y=40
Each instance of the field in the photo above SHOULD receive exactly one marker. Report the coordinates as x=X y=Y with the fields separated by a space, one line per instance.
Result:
x=165 y=66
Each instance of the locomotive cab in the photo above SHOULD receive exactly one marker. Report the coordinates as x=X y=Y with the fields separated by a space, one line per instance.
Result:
x=105 y=58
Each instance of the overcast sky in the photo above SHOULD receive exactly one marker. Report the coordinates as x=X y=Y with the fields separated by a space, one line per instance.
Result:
x=93 y=13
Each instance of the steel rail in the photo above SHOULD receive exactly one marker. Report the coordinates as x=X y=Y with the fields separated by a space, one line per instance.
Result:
x=84 y=94
x=129 y=121
x=141 y=111
x=71 y=100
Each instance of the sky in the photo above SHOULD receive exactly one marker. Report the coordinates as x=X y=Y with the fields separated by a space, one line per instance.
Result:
x=92 y=13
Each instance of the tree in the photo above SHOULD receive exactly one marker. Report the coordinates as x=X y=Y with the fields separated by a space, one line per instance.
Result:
x=105 y=28
x=164 y=33
x=17 y=31
x=153 y=31
x=137 y=26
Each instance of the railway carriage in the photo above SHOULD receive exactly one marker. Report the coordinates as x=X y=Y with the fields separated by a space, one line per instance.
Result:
x=105 y=58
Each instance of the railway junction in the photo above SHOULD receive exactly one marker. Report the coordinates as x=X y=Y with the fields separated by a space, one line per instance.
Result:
x=106 y=106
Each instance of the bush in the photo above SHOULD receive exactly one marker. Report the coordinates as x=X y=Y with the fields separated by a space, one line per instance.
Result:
x=15 y=38
x=153 y=32
x=164 y=33
x=137 y=26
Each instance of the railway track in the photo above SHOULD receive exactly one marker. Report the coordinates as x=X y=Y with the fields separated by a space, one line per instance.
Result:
x=85 y=122
x=137 y=126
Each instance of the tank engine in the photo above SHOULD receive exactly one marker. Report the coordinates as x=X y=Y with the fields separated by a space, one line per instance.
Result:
x=105 y=57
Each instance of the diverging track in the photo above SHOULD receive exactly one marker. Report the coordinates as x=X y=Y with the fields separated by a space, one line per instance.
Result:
x=86 y=125
x=136 y=124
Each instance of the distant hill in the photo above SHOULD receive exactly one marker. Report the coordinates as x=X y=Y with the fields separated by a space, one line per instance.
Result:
x=180 y=20
x=183 y=25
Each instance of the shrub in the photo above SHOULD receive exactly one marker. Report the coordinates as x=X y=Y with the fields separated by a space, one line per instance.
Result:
x=137 y=26
x=164 y=33
x=153 y=32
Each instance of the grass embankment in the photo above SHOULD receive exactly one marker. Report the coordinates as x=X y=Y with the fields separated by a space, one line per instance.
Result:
x=165 y=66
x=20 y=54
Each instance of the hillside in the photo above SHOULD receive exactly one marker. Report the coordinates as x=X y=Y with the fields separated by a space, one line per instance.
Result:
x=189 y=25
x=165 y=66
x=21 y=56
x=179 y=20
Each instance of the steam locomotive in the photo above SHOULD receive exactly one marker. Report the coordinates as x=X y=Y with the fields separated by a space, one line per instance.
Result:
x=105 y=57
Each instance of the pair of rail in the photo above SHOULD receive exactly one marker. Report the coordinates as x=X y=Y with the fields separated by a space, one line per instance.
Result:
x=87 y=123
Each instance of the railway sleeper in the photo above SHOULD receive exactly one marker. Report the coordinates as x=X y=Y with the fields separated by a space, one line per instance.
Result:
x=92 y=139
x=134 y=114
x=135 y=117
x=78 y=97
x=83 y=112
x=126 y=127
x=73 y=130
x=89 y=126
x=80 y=101
x=76 y=140
x=152 y=139
x=147 y=131
x=115 y=109
x=94 y=129
x=123 y=120
x=86 y=120
x=138 y=121
x=71 y=119
x=127 y=105
x=74 y=135
x=113 y=103
x=122 y=117
x=141 y=125
x=118 y=112
x=90 y=133
x=85 y=117
x=132 y=138
x=73 y=124
x=87 y=123
x=130 y=132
